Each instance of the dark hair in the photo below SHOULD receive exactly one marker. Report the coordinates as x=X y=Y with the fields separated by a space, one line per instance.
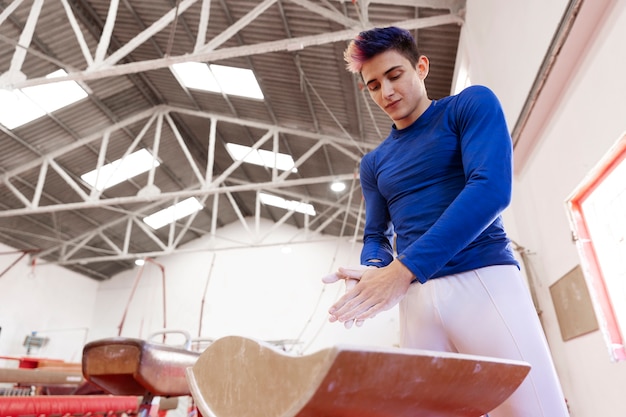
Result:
x=372 y=42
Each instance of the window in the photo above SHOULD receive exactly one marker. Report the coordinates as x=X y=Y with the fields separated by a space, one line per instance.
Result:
x=597 y=212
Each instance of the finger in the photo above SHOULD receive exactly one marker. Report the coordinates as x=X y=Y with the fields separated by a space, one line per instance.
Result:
x=352 y=272
x=350 y=310
x=359 y=322
x=330 y=278
x=356 y=307
x=370 y=312
x=355 y=272
x=350 y=283
x=348 y=324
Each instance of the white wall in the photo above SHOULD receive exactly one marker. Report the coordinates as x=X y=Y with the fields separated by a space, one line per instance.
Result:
x=47 y=299
x=508 y=40
x=260 y=292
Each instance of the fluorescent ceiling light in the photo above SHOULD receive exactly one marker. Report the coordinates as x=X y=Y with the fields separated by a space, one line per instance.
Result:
x=261 y=157
x=218 y=79
x=121 y=170
x=172 y=213
x=18 y=107
x=298 y=206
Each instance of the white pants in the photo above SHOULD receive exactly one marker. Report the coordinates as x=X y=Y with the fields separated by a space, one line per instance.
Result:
x=486 y=312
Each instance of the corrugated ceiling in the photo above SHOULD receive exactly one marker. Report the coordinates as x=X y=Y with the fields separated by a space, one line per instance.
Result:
x=313 y=109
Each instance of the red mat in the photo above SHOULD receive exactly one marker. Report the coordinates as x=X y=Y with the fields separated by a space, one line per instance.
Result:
x=67 y=404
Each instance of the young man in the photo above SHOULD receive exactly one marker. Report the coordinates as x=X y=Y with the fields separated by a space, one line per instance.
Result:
x=437 y=185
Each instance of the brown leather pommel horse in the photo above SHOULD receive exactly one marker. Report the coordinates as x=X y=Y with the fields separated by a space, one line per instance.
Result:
x=240 y=377
x=127 y=366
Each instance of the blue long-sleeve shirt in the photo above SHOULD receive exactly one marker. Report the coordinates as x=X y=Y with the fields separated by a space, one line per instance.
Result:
x=440 y=186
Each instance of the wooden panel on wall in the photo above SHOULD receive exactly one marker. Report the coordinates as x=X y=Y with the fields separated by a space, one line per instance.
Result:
x=572 y=302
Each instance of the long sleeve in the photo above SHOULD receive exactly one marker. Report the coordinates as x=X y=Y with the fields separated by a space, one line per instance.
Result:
x=378 y=234
x=486 y=153
x=442 y=183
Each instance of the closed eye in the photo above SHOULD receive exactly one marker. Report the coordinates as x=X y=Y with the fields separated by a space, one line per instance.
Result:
x=394 y=75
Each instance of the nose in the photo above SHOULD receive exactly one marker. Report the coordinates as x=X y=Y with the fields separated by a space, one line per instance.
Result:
x=387 y=88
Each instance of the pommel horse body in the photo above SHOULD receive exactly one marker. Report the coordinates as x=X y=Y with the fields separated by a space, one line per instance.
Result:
x=240 y=377
x=126 y=366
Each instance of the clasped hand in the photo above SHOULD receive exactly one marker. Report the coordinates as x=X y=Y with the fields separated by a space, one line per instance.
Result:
x=369 y=290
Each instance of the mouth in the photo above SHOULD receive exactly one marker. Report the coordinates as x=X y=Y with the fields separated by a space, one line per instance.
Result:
x=392 y=104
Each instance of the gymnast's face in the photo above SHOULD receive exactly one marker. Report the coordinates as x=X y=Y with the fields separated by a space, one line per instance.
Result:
x=396 y=86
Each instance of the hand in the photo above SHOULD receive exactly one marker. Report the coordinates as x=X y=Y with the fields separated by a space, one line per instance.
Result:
x=374 y=290
x=350 y=275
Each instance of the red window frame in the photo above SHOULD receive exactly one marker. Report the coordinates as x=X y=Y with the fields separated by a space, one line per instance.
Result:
x=589 y=260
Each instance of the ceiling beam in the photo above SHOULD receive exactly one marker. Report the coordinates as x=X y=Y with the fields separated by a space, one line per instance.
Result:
x=293 y=44
x=453 y=5
x=153 y=113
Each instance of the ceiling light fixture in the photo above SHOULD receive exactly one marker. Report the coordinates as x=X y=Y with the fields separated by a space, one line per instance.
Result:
x=337 y=186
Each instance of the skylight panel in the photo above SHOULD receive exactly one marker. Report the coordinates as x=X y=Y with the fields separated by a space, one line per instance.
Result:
x=297 y=206
x=218 y=79
x=261 y=157
x=18 y=107
x=121 y=170
x=196 y=75
x=237 y=81
x=173 y=213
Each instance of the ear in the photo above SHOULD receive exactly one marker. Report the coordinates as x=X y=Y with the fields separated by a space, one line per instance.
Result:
x=422 y=66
